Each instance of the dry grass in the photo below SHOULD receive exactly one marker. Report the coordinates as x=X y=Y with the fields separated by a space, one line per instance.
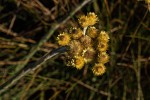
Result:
x=28 y=30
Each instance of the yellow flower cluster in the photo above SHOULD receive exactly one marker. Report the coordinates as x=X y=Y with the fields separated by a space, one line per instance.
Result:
x=102 y=44
x=88 y=45
x=88 y=20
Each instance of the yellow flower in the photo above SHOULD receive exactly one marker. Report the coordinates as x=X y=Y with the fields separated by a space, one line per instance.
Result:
x=92 y=32
x=78 y=62
x=86 y=45
x=75 y=48
x=99 y=69
x=88 y=54
x=103 y=57
x=103 y=37
x=88 y=20
x=102 y=47
x=63 y=39
x=76 y=33
x=86 y=41
x=83 y=21
x=92 y=18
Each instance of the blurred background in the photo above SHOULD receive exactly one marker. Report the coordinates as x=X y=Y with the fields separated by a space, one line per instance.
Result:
x=26 y=34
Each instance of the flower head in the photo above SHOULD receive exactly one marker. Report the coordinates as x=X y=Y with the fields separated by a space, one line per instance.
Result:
x=103 y=57
x=63 y=39
x=78 y=62
x=102 y=46
x=88 y=20
x=88 y=54
x=92 y=32
x=75 y=48
x=76 y=33
x=99 y=69
x=92 y=17
x=103 y=37
x=86 y=41
x=83 y=21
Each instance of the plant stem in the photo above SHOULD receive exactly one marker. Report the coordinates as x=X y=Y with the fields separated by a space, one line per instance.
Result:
x=31 y=68
x=84 y=30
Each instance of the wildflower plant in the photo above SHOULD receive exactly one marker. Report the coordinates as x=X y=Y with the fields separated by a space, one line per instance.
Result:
x=88 y=45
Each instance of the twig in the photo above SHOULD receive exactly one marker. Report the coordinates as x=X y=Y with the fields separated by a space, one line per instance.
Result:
x=30 y=84
x=14 y=34
x=11 y=62
x=31 y=68
x=91 y=88
x=134 y=34
x=7 y=31
x=138 y=75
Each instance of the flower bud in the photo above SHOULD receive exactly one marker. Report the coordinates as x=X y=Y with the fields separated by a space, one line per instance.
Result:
x=103 y=57
x=63 y=39
x=88 y=54
x=99 y=69
x=78 y=62
x=103 y=37
x=76 y=33
x=86 y=41
x=75 y=48
x=88 y=20
x=102 y=47
x=92 y=32
x=92 y=18
x=83 y=21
